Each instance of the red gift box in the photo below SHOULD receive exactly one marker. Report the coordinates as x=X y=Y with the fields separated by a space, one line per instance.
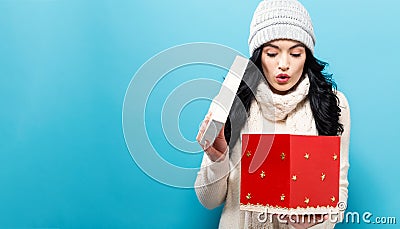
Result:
x=286 y=174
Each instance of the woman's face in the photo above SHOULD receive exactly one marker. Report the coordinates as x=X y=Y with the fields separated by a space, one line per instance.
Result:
x=283 y=63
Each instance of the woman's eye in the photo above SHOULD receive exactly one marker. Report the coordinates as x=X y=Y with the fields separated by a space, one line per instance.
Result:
x=296 y=54
x=271 y=54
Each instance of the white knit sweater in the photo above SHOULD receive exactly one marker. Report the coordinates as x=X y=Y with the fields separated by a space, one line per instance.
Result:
x=219 y=182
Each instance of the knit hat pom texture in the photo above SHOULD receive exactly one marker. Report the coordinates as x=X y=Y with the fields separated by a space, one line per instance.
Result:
x=281 y=19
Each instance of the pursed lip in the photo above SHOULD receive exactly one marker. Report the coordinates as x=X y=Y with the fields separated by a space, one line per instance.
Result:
x=282 y=75
x=282 y=78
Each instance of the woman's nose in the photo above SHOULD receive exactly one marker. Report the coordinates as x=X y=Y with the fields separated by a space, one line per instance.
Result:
x=283 y=63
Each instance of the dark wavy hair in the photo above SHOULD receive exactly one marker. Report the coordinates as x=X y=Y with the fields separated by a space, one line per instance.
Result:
x=322 y=96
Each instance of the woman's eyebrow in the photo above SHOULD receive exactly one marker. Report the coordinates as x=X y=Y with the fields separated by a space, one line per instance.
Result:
x=297 y=45
x=271 y=45
x=277 y=47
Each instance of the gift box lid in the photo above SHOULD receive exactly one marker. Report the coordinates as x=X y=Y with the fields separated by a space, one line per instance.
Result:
x=222 y=103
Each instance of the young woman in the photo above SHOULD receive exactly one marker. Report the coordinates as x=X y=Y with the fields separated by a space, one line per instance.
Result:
x=291 y=94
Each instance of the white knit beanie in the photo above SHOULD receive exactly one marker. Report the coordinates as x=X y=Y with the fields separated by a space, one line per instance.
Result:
x=281 y=19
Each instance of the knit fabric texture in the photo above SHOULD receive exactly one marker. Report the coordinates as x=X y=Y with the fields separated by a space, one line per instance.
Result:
x=281 y=19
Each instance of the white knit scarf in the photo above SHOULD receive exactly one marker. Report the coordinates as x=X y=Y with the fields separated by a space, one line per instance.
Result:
x=294 y=107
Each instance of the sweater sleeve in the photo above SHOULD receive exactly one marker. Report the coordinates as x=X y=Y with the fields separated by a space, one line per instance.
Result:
x=344 y=119
x=212 y=182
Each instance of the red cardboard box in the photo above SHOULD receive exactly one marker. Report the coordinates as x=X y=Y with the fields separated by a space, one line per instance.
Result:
x=287 y=174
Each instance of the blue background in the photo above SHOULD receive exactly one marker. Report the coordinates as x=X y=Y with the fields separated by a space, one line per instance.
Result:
x=65 y=67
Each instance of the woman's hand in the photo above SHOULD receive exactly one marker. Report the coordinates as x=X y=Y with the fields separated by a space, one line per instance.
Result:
x=217 y=151
x=305 y=221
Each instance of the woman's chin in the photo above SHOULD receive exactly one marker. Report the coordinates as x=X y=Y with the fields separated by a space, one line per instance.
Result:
x=281 y=89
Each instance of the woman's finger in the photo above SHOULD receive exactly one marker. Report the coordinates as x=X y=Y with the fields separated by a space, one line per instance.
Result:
x=214 y=154
x=201 y=131
x=203 y=126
